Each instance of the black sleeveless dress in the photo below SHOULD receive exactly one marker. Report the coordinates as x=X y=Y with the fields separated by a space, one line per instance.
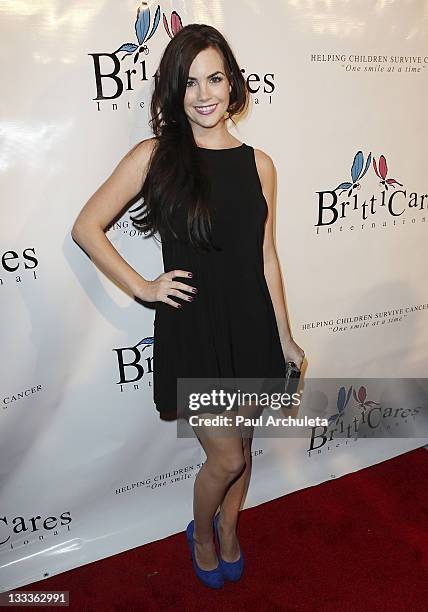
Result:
x=229 y=329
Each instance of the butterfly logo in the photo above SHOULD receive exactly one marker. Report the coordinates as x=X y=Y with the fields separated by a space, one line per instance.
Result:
x=144 y=32
x=382 y=171
x=142 y=27
x=357 y=173
x=360 y=398
x=343 y=397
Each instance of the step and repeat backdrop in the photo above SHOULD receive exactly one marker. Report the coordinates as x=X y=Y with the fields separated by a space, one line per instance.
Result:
x=338 y=96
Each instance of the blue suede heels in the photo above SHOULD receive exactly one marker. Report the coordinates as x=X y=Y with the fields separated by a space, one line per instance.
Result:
x=231 y=570
x=211 y=578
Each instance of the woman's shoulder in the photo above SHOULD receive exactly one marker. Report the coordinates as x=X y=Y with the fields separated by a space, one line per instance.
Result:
x=265 y=165
x=262 y=157
x=142 y=152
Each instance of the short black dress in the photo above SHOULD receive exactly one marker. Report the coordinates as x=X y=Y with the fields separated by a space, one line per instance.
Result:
x=229 y=329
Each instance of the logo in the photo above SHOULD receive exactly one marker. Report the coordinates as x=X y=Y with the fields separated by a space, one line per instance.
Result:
x=345 y=202
x=372 y=418
x=142 y=26
x=343 y=400
x=22 y=527
x=125 y=68
x=134 y=363
x=112 y=78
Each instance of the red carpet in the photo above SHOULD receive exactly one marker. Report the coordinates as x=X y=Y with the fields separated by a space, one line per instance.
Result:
x=359 y=543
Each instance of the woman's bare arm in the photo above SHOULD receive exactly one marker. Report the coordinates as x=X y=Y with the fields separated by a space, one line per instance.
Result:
x=267 y=174
x=103 y=206
x=271 y=265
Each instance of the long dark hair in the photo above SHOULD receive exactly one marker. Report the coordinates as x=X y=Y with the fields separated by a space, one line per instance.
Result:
x=176 y=175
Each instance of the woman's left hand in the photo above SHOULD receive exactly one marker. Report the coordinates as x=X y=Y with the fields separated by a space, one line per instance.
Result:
x=292 y=352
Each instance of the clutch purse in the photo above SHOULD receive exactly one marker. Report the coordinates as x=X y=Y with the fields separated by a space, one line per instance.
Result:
x=292 y=377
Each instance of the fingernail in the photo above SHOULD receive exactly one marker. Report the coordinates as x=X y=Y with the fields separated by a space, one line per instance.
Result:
x=190 y=274
x=194 y=290
x=190 y=298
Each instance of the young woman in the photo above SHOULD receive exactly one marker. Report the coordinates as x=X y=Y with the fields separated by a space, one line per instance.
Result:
x=220 y=308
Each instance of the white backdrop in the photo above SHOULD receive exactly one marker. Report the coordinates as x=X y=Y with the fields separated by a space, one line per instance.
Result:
x=87 y=468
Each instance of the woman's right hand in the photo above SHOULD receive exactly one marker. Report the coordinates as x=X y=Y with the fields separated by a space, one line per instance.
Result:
x=159 y=289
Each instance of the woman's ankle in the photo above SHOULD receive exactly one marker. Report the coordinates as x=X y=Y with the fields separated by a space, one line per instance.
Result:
x=226 y=525
x=202 y=540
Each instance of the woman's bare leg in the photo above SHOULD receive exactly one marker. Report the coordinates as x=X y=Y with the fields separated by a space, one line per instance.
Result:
x=225 y=463
x=236 y=493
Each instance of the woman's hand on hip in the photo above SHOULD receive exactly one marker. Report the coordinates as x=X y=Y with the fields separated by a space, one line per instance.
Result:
x=159 y=289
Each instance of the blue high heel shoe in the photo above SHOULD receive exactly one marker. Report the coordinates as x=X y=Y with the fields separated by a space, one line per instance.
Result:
x=211 y=578
x=232 y=570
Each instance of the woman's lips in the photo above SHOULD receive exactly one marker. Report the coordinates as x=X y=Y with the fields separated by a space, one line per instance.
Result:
x=206 y=110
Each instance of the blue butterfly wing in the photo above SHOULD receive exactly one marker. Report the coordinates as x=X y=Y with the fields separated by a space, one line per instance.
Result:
x=341 y=399
x=147 y=340
x=129 y=47
x=142 y=24
x=155 y=23
x=357 y=166
x=369 y=159
x=343 y=186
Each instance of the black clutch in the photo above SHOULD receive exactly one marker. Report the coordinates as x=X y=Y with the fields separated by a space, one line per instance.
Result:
x=292 y=377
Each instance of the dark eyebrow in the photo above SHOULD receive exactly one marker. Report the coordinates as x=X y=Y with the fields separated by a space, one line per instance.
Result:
x=209 y=76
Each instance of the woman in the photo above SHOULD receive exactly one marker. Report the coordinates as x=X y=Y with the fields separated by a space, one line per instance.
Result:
x=220 y=301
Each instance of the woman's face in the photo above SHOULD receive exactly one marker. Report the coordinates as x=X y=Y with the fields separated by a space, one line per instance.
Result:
x=207 y=90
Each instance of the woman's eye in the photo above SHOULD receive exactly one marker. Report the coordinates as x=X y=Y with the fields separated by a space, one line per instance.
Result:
x=216 y=79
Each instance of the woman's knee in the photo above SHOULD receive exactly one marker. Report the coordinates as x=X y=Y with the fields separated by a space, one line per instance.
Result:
x=229 y=465
x=225 y=454
x=234 y=463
